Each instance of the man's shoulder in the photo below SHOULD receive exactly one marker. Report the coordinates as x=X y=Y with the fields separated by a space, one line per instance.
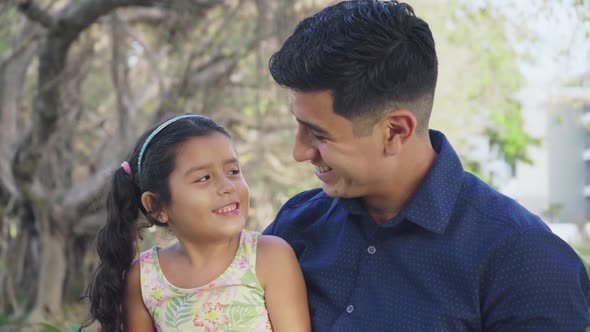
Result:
x=300 y=211
x=308 y=205
x=493 y=207
x=308 y=197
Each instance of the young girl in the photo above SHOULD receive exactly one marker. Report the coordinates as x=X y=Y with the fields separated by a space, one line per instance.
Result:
x=185 y=175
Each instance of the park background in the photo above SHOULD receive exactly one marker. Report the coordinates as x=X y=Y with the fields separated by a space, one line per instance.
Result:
x=81 y=79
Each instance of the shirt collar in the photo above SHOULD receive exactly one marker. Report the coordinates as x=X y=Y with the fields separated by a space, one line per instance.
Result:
x=432 y=204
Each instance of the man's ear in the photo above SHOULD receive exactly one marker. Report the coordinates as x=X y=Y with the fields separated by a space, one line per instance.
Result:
x=149 y=202
x=397 y=127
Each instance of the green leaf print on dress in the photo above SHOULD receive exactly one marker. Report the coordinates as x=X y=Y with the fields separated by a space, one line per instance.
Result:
x=179 y=311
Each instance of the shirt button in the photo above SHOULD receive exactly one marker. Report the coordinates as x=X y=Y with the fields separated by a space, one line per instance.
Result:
x=350 y=309
x=371 y=250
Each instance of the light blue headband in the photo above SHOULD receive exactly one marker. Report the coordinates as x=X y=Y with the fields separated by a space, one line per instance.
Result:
x=155 y=132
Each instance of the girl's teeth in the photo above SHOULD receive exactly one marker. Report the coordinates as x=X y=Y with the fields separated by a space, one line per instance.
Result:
x=227 y=209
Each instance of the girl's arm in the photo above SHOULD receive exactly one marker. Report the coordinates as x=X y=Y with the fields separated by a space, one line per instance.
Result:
x=280 y=275
x=137 y=317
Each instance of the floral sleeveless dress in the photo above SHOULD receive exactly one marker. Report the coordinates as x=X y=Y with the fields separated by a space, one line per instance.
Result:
x=234 y=301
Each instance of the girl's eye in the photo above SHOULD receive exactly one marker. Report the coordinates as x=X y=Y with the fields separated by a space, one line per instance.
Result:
x=203 y=179
x=234 y=171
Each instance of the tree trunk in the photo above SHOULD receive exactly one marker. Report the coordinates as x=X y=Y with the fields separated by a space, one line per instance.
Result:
x=13 y=71
x=52 y=274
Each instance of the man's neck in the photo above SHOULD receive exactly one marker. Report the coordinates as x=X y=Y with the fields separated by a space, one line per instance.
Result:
x=401 y=186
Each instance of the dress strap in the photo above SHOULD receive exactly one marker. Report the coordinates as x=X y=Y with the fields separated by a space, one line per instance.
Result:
x=152 y=287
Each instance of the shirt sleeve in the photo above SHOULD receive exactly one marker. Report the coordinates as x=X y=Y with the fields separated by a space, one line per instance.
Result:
x=270 y=229
x=282 y=216
x=273 y=228
x=535 y=282
x=290 y=213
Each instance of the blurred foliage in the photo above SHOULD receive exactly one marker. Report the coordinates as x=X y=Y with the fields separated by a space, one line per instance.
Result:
x=478 y=78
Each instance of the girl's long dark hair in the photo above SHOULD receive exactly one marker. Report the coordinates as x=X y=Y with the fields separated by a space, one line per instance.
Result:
x=116 y=240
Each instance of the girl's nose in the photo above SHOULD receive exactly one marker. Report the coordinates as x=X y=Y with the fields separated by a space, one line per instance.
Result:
x=226 y=187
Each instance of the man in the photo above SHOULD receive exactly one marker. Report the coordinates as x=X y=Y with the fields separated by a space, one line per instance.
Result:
x=400 y=237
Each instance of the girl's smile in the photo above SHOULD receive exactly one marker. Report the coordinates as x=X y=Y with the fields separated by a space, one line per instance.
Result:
x=229 y=210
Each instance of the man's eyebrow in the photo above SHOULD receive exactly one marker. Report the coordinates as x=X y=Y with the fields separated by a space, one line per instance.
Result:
x=314 y=127
x=309 y=125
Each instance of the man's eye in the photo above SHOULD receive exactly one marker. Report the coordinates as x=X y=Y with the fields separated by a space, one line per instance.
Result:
x=318 y=137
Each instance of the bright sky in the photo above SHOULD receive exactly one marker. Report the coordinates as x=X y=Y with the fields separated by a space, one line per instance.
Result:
x=555 y=35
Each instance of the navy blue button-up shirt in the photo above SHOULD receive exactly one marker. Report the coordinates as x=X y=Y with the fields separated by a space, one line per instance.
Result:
x=458 y=257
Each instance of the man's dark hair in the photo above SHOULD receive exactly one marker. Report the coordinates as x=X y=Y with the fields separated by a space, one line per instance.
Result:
x=371 y=55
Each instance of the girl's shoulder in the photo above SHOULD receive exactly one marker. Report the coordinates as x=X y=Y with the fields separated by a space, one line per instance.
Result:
x=132 y=271
x=271 y=243
x=267 y=245
x=258 y=239
x=273 y=253
x=132 y=281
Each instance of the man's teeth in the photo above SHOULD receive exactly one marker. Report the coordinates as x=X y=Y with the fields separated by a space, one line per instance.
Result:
x=227 y=209
x=324 y=169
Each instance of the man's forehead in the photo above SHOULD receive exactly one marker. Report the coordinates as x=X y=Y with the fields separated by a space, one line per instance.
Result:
x=310 y=100
x=291 y=98
x=314 y=111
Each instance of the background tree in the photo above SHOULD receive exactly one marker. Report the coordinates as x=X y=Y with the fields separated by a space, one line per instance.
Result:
x=78 y=127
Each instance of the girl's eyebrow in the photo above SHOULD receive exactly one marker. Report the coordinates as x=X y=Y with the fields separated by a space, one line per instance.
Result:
x=200 y=167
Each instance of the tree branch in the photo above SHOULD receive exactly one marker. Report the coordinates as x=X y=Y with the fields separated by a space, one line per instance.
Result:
x=87 y=12
x=153 y=16
x=19 y=50
x=119 y=76
x=69 y=23
x=13 y=72
x=90 y=224
x=83 y=191
x=151 y=58
x=35 y=13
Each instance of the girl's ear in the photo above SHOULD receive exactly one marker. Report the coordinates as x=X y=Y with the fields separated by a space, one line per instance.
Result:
x=149 y=202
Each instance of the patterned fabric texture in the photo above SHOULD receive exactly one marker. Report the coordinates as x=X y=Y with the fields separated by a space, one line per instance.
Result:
x=234 y=301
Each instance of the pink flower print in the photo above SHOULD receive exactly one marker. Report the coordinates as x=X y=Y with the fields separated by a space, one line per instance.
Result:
x=242 y=263
x=250 y=240
x=211 y=317
x=263 y=324
x=156 y=295
x=146 y=258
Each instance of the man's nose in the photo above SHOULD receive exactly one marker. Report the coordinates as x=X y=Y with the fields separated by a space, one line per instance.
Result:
x=303 y=149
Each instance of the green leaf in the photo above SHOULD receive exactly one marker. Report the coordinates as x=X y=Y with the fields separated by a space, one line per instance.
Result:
x=75 y=327
x=48 y=327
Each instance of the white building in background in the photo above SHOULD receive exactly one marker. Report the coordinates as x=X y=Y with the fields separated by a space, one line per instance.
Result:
x=559 y=179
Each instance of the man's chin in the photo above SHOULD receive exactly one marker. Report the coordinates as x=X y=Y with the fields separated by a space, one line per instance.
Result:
x=336 y=192
x=330 y=190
